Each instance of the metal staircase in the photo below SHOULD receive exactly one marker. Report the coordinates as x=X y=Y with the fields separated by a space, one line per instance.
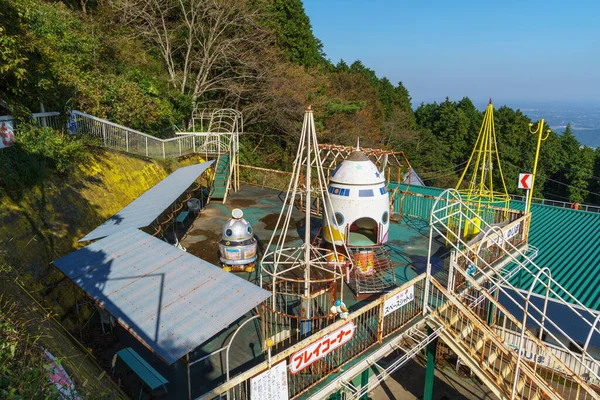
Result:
x=475 y=325
x=484 y=352
x=221 y=181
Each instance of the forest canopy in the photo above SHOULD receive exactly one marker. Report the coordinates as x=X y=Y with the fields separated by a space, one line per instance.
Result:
x=147 y=64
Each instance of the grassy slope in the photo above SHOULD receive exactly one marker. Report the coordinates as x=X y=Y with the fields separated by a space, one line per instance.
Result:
x=46 y=225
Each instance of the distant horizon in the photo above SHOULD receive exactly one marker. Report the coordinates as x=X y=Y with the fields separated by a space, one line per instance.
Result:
x=516 y=52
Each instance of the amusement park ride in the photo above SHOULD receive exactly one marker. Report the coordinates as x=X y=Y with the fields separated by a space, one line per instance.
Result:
x=346 y=293
x=307 y=311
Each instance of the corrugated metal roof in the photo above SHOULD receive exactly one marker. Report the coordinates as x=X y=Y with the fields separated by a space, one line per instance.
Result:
x=170 y=300
x=146 y=208
x=569 y=244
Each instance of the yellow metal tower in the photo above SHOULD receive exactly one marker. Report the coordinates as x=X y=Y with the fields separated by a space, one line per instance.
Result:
x=484 y=161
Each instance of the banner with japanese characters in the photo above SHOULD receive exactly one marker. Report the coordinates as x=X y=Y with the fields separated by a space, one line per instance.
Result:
x=400 y=299
x=321 y=348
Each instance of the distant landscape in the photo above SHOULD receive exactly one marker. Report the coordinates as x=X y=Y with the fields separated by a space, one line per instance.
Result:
x=584 y=117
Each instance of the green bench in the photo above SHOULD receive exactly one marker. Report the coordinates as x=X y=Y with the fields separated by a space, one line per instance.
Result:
x=145 y=371
x=182 y=216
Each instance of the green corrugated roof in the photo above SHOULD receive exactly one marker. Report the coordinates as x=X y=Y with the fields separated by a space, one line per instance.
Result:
x=568 y=242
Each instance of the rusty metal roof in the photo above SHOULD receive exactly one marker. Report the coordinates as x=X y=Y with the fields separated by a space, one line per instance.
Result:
x=170 y=300
x=146 y=208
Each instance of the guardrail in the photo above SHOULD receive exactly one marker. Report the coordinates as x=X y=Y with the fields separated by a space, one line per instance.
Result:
x=121 y=138
x=560 y=204
x=372 y=323
x=49 y=119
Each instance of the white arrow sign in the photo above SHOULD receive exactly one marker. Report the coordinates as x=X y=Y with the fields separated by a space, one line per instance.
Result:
x=525 y=181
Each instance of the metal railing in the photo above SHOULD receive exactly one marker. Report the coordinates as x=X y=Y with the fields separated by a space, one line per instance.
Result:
x=129 y=140
x=560 y=204
x=481 y=281
x=45 y=119
x=373 y=324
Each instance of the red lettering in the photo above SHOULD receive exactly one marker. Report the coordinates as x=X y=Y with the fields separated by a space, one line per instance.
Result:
x=298 y=359
x=316 y=352
x=307 y=357
x=341 y=335
x=327 y=343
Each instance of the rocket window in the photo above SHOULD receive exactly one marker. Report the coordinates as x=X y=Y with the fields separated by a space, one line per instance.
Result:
x=228 y=232
x=365 y=193
x=338 y=218
x=249 y=229
x=382 y=190
x=385 y=217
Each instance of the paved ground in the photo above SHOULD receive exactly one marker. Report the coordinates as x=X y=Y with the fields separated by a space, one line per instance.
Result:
x=408 y=384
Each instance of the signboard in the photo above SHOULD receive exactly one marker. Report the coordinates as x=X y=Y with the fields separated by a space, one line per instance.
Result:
x=271 y=384
x=509 y=233
x=402 y=298
x=525 y=181
x=321 y=348
x=7 y=134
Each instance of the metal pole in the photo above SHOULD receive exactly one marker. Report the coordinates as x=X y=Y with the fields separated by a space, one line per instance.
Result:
x=430 y=369
x=229 y=346
x=307 y=218
x=187 y=358
x=539 y=132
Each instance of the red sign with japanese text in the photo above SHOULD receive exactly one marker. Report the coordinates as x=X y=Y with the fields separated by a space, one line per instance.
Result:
x=321 y=348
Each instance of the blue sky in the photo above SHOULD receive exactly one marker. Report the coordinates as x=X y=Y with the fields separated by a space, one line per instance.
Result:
x=512 y=51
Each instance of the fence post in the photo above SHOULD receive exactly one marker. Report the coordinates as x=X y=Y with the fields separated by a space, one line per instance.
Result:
x=146 y=146
x=104 y=133
x=194 y=143
x=380 y=317
x=179 y=141
x=163 y=144
x=127 y=140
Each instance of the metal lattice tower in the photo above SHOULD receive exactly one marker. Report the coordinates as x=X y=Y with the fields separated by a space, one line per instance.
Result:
x=480 y=193
x=306 y=279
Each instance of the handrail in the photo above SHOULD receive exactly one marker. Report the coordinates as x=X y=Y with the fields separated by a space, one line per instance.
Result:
x=524 y=323
x=513 y=253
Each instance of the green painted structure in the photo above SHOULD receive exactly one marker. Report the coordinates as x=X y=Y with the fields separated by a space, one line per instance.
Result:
x=221 y=177
x=568 y=241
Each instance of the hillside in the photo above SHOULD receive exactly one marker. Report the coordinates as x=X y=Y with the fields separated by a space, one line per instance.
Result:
x=42 y=222
x=260 y=57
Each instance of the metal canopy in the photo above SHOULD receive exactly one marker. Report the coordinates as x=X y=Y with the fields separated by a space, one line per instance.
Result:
x=170 y=300
x=146 y=208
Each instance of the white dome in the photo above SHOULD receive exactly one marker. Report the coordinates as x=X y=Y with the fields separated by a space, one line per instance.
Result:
x=357 y=169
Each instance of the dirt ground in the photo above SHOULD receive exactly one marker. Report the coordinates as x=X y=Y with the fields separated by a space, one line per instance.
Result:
x=408 y=383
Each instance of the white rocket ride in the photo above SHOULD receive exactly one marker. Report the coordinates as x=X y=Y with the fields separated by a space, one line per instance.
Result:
x=360 y=202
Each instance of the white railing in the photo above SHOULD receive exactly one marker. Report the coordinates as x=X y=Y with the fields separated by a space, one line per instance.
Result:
x=560 y=204
x=121 y=138
x=449 y=214
x=49 y=119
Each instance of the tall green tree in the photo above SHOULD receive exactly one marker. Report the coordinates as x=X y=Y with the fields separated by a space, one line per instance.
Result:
x=294 y=33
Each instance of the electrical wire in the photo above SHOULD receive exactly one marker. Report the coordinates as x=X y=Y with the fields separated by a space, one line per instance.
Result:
x=443 y=170
x=441 y=176
x=555 y=181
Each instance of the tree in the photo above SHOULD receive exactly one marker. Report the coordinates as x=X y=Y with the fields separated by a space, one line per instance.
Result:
x=578 y=166
x=294 y=33
x=208 y=46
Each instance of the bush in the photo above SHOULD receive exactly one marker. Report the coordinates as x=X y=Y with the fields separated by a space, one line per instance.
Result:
x=36 y=153
x=22 y=366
